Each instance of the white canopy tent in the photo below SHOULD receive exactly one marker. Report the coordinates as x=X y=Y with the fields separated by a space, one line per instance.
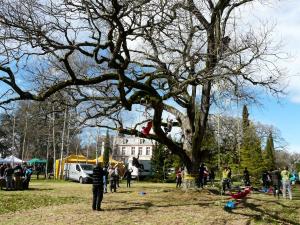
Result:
x=12 y=160
x=2 y=160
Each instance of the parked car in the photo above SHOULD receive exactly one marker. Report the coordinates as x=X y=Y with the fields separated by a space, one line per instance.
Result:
x=78 y=172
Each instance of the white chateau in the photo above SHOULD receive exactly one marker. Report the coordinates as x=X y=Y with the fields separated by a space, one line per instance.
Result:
x=128 y=147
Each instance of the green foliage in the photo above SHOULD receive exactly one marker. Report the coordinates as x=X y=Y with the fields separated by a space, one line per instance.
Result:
x=210 y=147
x=269 y=153
x=107 y=149
x=162 y=161
x=246 y=121
x=251 y=154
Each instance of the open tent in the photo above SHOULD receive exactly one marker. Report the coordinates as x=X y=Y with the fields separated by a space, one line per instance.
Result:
x=75 y=159
x=12 y=160
x=35 y=161
x=2 y=160
x=69 y=159
x=111 y=160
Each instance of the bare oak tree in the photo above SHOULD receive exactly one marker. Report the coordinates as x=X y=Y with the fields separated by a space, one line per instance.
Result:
x=170 y=57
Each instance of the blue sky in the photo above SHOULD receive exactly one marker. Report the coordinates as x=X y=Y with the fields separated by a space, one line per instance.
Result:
x=284 y=115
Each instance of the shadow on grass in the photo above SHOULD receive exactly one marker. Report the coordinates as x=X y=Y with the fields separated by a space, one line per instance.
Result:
x=271 y=217
x=277 y=202
x=147 y=205
x=39 y=189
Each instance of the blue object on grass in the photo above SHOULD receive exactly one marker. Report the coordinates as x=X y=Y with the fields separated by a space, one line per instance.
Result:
x=230 y=205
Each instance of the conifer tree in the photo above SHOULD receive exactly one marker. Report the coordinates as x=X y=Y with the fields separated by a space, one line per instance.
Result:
x=246 y=121
x=251 y=153
x=107 y=149
x=269 y=153
x=245 y=147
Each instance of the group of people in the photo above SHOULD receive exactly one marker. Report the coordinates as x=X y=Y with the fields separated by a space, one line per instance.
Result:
x=101 y=176
x=278 y=181
x=204 y=176
x=15 y=178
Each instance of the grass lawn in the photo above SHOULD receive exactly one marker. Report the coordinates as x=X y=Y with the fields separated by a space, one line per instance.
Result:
x=58 y=202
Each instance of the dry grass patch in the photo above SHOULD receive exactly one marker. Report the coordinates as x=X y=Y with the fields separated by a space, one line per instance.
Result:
x=70 y=203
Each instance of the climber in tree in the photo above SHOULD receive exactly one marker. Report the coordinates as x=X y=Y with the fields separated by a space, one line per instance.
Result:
x=146 y=130
x=225 y=43
x=169 y=126
x=136 y=163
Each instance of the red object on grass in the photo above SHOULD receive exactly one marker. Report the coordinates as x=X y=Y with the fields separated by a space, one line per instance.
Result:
x=241 y=194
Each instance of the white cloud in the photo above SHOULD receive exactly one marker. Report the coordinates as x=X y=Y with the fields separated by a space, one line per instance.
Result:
x=286 y=16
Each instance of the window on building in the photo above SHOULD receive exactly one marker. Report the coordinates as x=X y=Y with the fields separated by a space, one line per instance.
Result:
x=148 y=151
x=142 y=141
x=132 y=150
x=125 y=141
x=140 y=151
x=123 y=150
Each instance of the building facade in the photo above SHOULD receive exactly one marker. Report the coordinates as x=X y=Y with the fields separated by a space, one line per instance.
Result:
x=128 y=147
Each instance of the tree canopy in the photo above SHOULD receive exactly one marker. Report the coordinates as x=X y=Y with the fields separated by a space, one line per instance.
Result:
x=169 y=57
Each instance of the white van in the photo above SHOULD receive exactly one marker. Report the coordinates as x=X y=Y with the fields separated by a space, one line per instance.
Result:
x=140 y=172
x=80 y=172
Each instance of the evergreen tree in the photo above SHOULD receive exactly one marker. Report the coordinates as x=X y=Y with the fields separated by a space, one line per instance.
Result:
x=162 y=161
x=250 y=152
x=107 y=149
x=246 y=121
x=269 y=153
x=245 y=150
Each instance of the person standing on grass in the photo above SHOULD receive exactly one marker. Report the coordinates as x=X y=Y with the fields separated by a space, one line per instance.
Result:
x=286 y=183
x=105 y=179
x=127 y=175
x=18 y=174
x=178 y=178
x=201 y=175
x=225 y=178
x=246 y=177
x=98 y=175
x=112 y=179
x=117 y=177
x=8 y=174
x=275 y=179
x=38 y=170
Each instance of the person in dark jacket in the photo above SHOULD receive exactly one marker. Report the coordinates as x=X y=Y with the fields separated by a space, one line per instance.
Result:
x=266 y=180
x=8 y=174
x=18 y=173
x=201 y=176
x=27 y=177
x=127 y=175
x=276 y=178
x=246 y=177
x=98 y=174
